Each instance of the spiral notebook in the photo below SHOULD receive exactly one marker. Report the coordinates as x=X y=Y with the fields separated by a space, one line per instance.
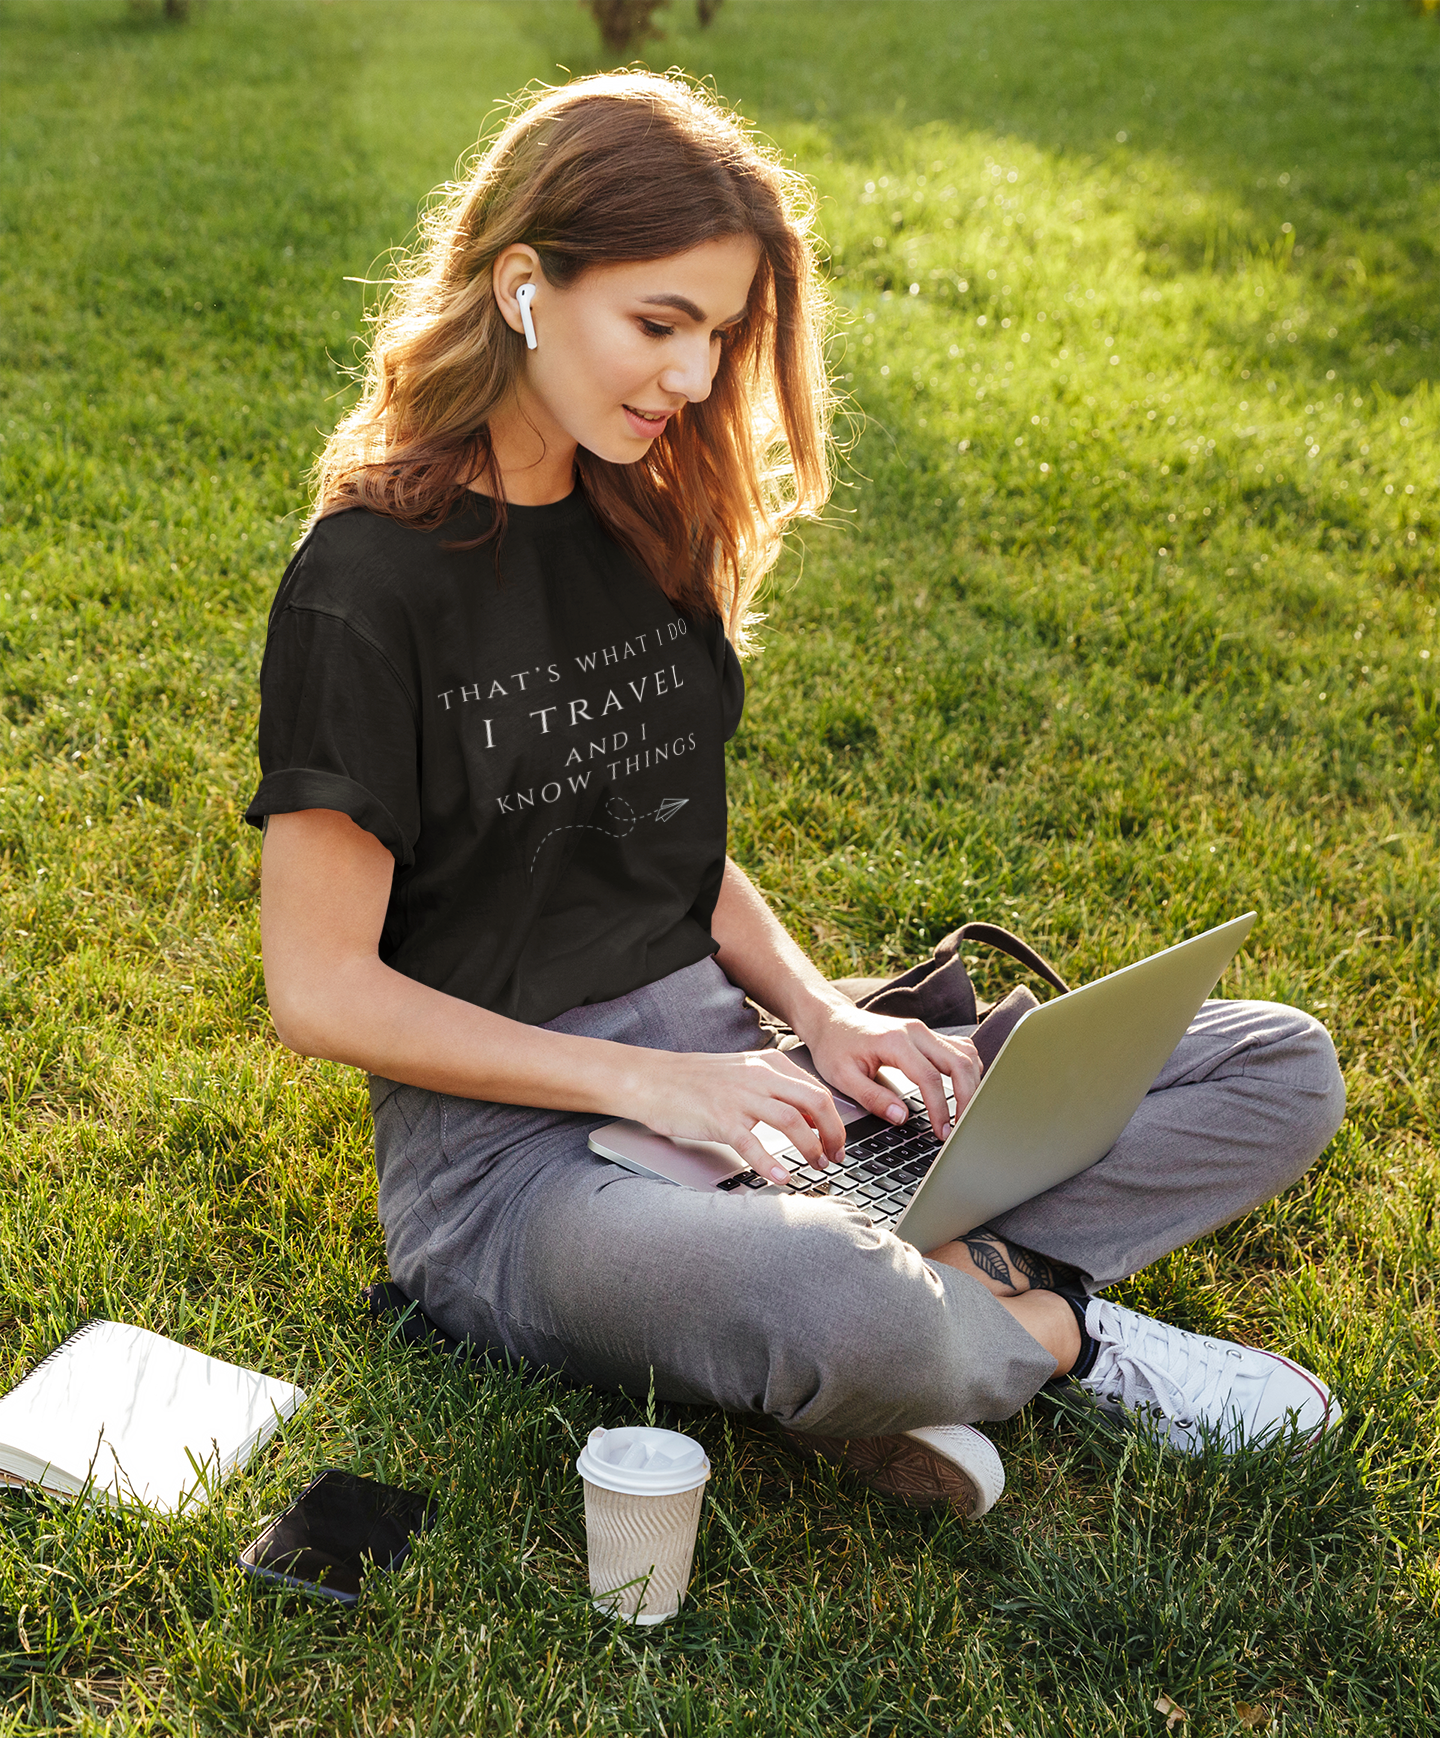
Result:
x=131 y=1417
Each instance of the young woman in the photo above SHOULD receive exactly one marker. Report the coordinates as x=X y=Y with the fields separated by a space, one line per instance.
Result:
x=500 y=673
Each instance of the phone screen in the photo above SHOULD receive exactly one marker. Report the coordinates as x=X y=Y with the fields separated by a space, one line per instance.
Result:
x=323 y=1539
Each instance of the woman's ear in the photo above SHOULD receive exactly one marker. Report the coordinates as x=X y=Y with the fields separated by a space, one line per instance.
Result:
x=516 y=265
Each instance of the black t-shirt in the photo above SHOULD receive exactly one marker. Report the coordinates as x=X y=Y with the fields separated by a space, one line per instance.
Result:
x=541 y=749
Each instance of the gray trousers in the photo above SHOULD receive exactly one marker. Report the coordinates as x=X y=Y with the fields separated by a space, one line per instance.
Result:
x=506 y=1228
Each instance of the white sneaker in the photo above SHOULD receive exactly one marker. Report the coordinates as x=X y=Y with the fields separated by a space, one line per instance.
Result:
x=939 y=1463
x=1197 y=1389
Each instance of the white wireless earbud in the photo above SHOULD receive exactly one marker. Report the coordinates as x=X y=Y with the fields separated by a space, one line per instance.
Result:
x=524 y=296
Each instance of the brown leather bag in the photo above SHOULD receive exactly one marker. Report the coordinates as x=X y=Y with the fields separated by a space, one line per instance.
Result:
x=939 y=991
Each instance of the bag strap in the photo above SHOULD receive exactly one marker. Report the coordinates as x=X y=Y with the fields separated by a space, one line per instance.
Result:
x=938 y=990
x=993 y=936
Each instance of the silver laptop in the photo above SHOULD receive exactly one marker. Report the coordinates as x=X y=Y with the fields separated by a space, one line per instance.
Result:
x=1067 y=1079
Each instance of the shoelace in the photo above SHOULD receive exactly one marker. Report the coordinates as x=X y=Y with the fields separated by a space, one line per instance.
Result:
x=1122 y=1372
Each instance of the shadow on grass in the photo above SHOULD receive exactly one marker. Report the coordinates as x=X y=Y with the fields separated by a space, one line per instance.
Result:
x=1256 y=127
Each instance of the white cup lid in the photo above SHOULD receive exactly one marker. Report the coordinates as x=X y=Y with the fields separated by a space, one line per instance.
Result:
x=643 y=1461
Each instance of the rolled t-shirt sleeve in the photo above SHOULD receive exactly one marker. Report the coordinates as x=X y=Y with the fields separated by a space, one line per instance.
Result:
x=337 y=731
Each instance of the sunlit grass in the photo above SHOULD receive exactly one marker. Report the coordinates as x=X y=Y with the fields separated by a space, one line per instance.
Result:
x=1102 y=649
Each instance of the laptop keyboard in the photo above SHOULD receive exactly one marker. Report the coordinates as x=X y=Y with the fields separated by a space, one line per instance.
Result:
x=880 y=1172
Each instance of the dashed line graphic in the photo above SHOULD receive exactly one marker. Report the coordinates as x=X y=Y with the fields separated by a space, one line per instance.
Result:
x=667 y=810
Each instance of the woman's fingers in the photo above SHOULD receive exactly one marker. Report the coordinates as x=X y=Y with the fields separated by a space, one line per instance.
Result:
x=800 y=1126
x=750 y=1148
x=811 y=1121
x=922 y=1056
x=786 y=1119
x=723 y=1097
x=955 y=1057
x=799 y=1131
x=914 y=1050
x=869 y=1093
x=926 y=1073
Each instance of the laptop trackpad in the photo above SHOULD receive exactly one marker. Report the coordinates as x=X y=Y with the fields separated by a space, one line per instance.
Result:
x=693 y=1164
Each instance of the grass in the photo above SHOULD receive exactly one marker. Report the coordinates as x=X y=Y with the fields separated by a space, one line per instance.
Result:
x=1124 y=619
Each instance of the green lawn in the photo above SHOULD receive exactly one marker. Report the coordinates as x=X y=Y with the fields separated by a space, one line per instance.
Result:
x=1124 y=619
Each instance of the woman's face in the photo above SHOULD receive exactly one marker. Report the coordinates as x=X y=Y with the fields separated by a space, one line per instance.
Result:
x=626 y=347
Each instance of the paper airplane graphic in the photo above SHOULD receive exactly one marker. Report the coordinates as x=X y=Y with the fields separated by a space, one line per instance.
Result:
x=621 y=817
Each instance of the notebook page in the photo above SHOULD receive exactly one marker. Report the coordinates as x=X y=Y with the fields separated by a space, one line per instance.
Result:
x=131 y=1402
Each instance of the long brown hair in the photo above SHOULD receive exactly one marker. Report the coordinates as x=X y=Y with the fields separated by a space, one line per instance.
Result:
x=618 y=167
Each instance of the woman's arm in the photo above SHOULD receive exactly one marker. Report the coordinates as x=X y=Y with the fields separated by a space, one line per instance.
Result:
x=325 y=885
x=847 y=1044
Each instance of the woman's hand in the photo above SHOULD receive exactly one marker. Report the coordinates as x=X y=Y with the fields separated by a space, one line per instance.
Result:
x=849 y=1046
x=722 y=1097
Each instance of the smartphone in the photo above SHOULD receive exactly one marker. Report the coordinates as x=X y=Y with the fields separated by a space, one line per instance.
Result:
x=321 y=1543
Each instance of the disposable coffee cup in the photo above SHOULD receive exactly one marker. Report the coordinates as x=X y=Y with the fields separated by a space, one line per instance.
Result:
x=643 y=1491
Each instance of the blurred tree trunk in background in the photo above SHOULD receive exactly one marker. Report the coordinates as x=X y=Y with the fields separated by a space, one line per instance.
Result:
x=625 y=24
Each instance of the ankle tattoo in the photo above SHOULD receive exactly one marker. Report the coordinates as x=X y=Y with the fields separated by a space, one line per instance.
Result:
x=988 y=1254
x=1038 y=1269
x=1012 y=1265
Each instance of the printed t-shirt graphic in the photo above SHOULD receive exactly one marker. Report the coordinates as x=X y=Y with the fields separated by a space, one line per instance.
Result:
x=541 y=749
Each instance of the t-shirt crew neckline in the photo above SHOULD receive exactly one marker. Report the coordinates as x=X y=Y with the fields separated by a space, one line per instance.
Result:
x=569 y=510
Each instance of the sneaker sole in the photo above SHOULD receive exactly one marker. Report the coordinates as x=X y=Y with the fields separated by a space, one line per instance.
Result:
x=903 y=1467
